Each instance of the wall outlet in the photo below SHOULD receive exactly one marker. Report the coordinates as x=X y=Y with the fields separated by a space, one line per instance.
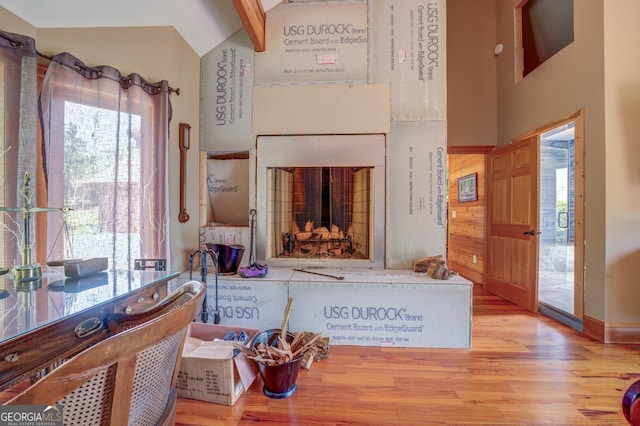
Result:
x=453 y=214
x=230 y=238
x=475 y=260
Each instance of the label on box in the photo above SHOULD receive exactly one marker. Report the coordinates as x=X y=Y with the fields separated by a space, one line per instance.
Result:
x=197 y=380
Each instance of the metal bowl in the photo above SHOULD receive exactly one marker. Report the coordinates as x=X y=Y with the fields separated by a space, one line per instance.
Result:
x=229 y=257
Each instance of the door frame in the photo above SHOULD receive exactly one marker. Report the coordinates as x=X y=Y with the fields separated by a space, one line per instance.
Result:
x=579 y=194
x=579 y=200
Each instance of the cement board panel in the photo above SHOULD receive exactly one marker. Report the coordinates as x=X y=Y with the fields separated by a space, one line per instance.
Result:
x=368 y=307
x=226 y=95
x=315 y=42
x=416 y=192
x=321 y=109
x=408 y=49
x=252 y=303
x=384 y=314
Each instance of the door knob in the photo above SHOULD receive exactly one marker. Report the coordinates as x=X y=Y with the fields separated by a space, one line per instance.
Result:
x=531 y=232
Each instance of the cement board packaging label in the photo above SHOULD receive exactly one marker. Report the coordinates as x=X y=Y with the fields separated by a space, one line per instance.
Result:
x=311 y=42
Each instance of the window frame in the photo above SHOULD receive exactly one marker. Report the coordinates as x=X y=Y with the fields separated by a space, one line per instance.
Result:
x=519 y=41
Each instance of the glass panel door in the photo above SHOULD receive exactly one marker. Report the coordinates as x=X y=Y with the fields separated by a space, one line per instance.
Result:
x=557 y=219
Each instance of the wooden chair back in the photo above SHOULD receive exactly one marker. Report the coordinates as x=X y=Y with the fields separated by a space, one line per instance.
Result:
x=130 y=377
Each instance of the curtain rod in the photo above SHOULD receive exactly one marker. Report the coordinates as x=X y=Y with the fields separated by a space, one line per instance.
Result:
x=50 y=58
x=18 y=44
x=14 y=42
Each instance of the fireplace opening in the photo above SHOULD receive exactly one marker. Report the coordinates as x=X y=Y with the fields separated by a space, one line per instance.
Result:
x=321 y=212
x=321 y=200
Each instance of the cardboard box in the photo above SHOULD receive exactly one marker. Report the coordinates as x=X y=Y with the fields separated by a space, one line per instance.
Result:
x=228 y=187
x=209 y=371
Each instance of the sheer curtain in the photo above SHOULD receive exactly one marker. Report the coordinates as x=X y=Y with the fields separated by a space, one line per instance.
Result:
x=105 y=158
x=18 y=138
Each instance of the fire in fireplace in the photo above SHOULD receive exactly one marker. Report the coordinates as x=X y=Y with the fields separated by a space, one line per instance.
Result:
x=323 y=197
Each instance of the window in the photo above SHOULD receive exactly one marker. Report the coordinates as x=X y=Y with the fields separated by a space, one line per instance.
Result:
x=102 y=162
x=97 y=164
x=543 y=28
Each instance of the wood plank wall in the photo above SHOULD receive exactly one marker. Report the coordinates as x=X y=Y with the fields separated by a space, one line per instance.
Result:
x=465 y=233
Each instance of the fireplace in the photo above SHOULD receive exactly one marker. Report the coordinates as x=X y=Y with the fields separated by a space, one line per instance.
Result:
x=322 y=200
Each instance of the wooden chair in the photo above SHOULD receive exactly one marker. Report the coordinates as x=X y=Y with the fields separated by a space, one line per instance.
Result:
x=130 y=377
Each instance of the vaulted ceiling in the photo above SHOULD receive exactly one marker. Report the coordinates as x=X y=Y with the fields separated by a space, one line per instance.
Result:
x=202 y=23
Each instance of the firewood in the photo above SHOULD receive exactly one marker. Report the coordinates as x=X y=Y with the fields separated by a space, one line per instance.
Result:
x=310 y=346
x=324 y=232
x=335 y=232
x=422 y=265
x=438 y=271
x=434 y=266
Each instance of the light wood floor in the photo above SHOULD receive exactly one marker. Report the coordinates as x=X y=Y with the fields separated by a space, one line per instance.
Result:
x=522 y=369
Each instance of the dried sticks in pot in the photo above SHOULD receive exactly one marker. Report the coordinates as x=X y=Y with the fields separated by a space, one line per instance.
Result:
x=304 y=344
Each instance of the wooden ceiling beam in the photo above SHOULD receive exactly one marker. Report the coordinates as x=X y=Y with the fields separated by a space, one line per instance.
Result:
x=252 y=16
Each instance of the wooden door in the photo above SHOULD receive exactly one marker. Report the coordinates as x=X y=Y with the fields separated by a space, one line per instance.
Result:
x=512 y=222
